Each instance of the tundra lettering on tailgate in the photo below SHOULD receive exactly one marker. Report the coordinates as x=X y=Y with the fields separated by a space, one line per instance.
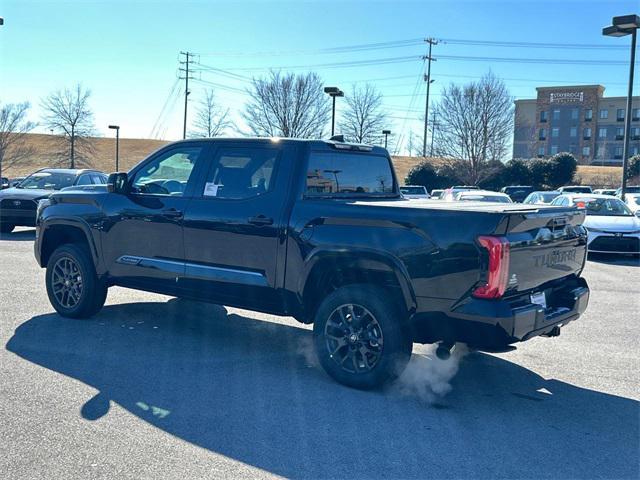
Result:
x=554 y=258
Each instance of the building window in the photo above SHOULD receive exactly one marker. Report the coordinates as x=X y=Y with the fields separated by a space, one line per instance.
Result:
x=573 y=132
x=543 y=116
x=586 y=133
x=555 y=132
x=556 y=114
x=619 y=133
x=635 y=114
x=635 y=150
x=617 y=152
x=554 y=149
x=586 y=151
x=602 y=132
x=541 y=151
x=604 y=114
x=542 y=134
x=574 y=113
x=588 y=115
x=620 y=114
x=635 y=133
x=601 y=151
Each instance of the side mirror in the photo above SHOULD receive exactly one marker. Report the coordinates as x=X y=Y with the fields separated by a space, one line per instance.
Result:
x=118 y=182
x=638 y=213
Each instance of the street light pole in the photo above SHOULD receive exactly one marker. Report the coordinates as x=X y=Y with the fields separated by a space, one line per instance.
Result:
x=386 y=133
x=623 y=26
x=333 y=92
x=627 y=118
x=117 y=129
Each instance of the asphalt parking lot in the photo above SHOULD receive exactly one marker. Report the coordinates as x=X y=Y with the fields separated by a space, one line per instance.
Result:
x=155 y=387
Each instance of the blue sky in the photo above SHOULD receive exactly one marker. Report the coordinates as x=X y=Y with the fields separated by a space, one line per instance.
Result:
x=126 y=51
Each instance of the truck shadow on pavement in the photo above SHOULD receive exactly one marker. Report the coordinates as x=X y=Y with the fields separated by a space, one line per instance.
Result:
x=249 y=390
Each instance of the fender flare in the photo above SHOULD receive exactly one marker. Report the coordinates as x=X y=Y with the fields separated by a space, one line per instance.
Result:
x=365 y=258
x=73 y=222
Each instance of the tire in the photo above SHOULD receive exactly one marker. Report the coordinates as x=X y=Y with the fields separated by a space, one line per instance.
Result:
x=73 y=287
x=6 y=227
x=368 y=350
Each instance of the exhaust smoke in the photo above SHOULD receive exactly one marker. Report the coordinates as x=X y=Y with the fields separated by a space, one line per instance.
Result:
x=428 y=377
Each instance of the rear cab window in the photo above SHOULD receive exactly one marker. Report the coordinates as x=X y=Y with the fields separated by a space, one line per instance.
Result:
x=353 y=174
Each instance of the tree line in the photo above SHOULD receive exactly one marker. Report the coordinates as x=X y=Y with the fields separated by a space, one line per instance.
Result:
x=475 y=120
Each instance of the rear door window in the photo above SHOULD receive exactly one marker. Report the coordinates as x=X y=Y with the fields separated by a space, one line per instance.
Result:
x=348 y=174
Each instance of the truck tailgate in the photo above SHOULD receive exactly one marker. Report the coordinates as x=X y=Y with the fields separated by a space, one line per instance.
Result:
x=545 y=245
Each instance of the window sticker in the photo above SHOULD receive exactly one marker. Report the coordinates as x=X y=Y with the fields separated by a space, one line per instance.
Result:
x=210 y=189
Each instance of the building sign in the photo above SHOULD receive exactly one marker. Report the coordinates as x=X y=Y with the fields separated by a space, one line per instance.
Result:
x=566 y=97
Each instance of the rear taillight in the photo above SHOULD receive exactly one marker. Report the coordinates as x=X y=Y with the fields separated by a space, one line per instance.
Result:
x=498 y=270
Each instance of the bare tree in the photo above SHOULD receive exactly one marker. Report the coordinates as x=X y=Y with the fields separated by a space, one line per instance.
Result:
x=287 y=105
x=211 y=120
x=475 y=123
x=14 y=127
x=67 y=112
x=363 y=119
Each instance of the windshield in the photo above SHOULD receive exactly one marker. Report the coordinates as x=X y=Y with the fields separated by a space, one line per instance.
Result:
x=48 y=181
x=603 y=206
x=413 y=190
x=548 y=196
x=484 y=198
x=577 y=189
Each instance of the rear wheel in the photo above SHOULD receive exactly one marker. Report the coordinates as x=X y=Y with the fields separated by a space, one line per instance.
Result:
x=73 y=287
x=360 y=337
x=6 y=227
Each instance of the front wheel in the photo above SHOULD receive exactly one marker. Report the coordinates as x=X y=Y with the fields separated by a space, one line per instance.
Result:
x=73 y=287
x=360 y=337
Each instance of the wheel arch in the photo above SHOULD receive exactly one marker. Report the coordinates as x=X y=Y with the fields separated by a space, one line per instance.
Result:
x=64 y=231
x=327 y=270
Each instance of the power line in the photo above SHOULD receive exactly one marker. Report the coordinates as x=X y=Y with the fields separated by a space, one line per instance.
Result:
x=156 y=125
x=554 y=61
x=566 y=46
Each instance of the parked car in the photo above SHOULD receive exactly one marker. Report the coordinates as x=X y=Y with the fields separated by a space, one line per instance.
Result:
x=611 y=225
x=633 y=202
x=605 y=191
x=517 y=192
x=575 y=189
x=628 y=189
x=482 y=196
x=18 y=204
x=4 y=183
x=316 y=230
x=15 y=181
x=450 y=193
x=436 y=194
x=541 y=198
x=414 y=191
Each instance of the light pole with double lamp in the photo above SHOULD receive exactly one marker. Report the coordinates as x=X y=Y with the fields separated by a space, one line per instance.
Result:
x=621 y=27
x=386 y=133
x=333 y=92
x=117 y=129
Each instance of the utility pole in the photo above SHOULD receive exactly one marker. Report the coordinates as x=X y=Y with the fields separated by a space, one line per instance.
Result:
x=427 y=78
x=188 y=60
x=433 y=131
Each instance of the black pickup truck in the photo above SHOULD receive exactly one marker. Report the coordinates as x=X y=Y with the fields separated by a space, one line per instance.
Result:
x=317 y=230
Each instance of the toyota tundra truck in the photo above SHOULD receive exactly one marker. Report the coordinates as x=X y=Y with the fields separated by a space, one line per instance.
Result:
x=317 y=230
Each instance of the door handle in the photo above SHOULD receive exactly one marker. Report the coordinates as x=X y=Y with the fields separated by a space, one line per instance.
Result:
x=260 y=220
x=172 y=213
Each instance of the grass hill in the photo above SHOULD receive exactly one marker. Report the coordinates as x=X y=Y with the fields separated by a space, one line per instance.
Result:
x=132 y=150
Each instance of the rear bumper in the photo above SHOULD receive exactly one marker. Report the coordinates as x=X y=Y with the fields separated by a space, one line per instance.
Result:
x=495 y=323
